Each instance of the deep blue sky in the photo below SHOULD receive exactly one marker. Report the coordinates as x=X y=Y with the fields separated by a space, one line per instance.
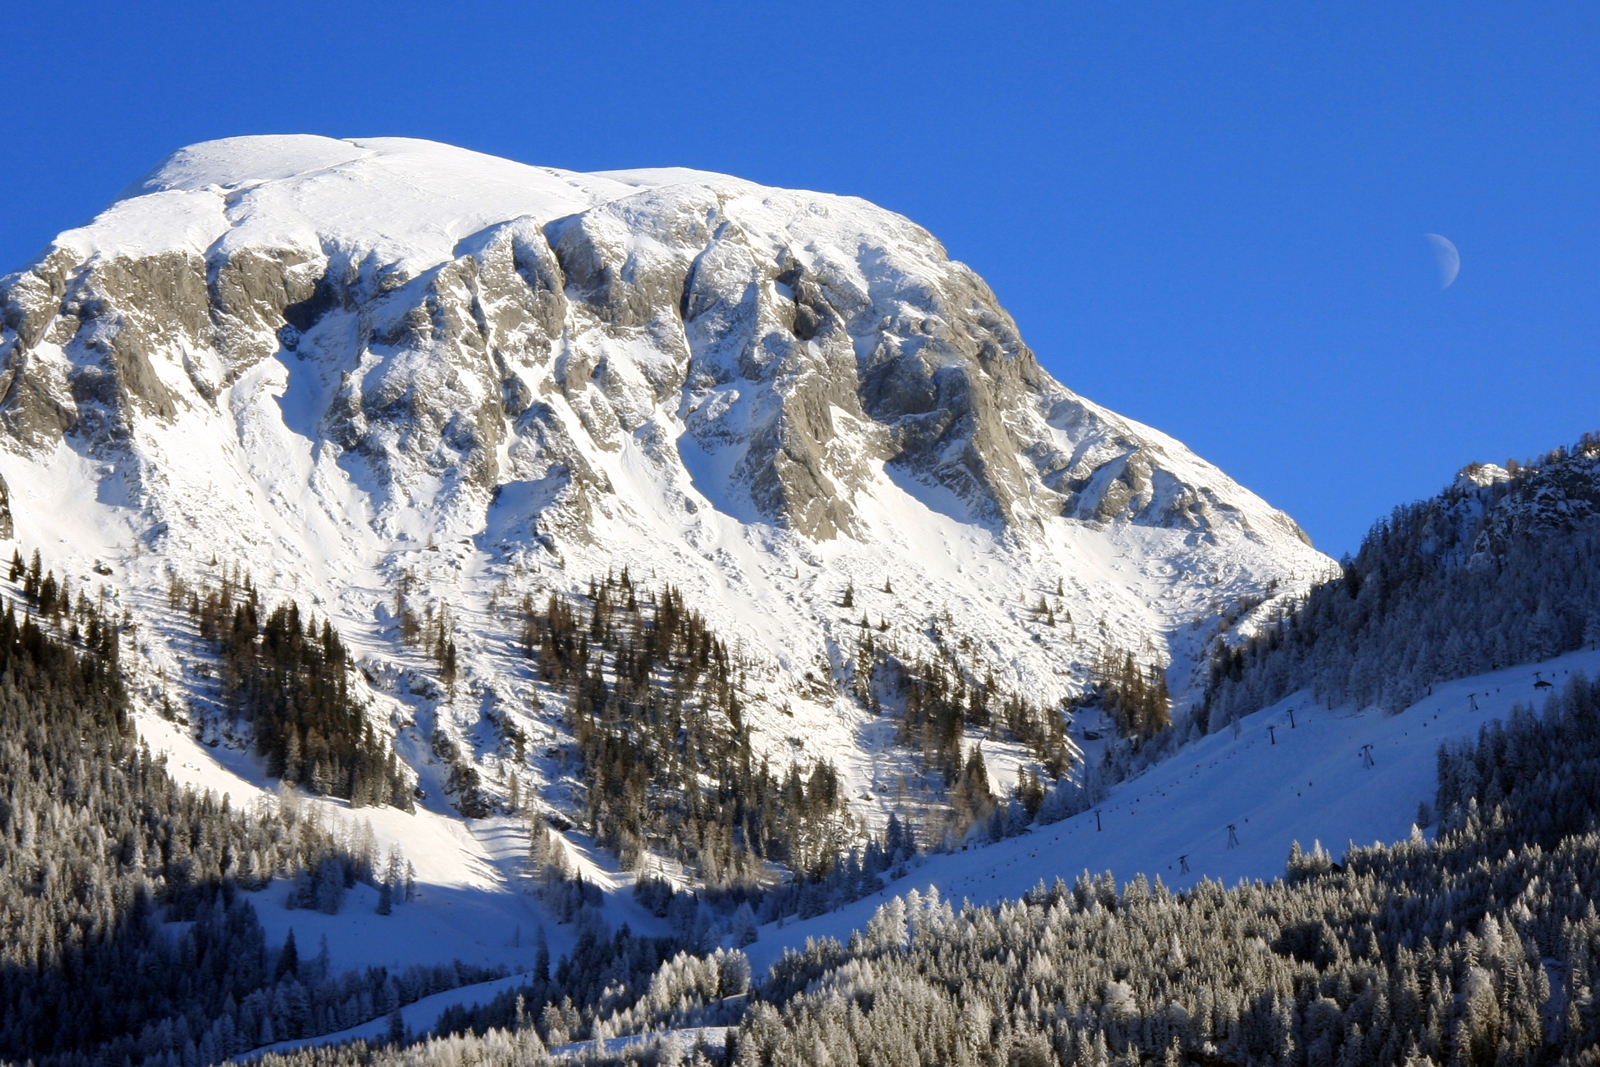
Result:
x=1210 y=222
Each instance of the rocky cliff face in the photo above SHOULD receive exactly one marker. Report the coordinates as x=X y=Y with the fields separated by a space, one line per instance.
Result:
x=816 y=335
x=318 y=357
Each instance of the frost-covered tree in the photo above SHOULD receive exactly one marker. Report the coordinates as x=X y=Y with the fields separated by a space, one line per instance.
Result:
x=1491 y=572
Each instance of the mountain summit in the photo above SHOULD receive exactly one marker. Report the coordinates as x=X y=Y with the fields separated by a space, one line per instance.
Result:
x=376 y=369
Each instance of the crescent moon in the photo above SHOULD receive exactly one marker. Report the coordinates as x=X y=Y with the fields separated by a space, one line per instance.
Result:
x=1449 y=259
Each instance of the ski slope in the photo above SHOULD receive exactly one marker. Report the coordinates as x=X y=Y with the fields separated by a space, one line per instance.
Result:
x=1307 y=782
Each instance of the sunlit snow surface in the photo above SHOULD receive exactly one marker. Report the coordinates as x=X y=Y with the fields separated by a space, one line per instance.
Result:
x=250 y=478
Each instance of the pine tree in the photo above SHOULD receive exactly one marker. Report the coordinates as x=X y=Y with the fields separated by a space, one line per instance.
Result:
x=288 y=958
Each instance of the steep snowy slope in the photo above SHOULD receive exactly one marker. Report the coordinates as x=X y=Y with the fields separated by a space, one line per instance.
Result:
x=348 y=366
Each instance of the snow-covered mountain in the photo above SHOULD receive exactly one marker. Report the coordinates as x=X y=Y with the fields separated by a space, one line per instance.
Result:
x=350 y=365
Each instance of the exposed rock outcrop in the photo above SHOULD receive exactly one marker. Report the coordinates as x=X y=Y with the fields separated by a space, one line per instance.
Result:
x=344 y=363
x=808 y=338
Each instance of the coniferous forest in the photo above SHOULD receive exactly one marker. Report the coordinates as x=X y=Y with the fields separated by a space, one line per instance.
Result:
x=656 y=714
x=288 y=678
x=1480 y=577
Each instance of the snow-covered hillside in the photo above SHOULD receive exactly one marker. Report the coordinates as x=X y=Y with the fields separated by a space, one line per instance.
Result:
x=348 y=366
x=1305 y=782
x=1335 y=777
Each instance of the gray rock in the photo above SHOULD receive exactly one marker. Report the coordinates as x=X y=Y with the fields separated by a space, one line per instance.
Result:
x=812 y=352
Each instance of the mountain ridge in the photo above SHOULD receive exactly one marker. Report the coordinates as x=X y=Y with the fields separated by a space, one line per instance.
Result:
x=627 y=560
x=356 y=366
